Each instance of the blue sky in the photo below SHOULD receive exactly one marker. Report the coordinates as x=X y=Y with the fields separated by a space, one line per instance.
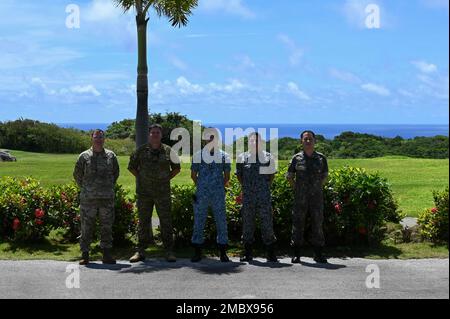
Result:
x=238 y=61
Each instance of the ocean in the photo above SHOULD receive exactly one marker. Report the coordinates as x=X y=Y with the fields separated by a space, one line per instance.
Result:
x=328 y=130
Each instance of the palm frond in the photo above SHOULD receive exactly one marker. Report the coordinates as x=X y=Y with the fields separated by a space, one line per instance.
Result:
x=177 y=11
x=125 y=4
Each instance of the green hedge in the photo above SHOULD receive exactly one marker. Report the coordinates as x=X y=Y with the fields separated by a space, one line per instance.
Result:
x=357 y=207
x=433 y=222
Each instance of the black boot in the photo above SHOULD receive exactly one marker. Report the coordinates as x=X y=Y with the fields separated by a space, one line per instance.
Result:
x=197 y=254
x=248 y=254
x=107 y=258
x=318 y=257
x=223 y=254
x=271 y=257
x=84 y=259
x=296 y=258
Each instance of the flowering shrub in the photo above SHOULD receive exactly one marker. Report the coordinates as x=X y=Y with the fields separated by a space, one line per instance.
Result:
x=29 y=212
x=433 y=222
x=356 y=207
x=24 y=213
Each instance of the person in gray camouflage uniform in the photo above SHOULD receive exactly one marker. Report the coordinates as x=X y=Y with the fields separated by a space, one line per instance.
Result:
x=307 y=173
x=154 y=165
x=96 y=173
x=256 y=196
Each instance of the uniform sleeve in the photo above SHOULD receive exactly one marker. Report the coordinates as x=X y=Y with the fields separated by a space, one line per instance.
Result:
x=195 y=164
x=240 y=166
x=226 y=163
x=78 y=172
x=175 y=163
x=116 y=168
x=133 y=165
x=291 y=169
x=325 y=168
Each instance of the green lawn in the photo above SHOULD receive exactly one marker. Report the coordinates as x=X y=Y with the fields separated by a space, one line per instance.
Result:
x=412 y=180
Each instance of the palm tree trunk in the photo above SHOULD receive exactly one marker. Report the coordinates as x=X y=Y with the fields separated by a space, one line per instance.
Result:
x=142 y=82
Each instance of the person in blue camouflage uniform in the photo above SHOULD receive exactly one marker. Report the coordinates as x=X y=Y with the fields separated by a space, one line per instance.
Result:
x=154 y=165
x=307 y=173
x=256 y=196
x=96 y=173
x=210 y=171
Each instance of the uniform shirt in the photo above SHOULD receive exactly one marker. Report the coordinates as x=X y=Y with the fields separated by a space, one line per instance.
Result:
x=154 y=167
x=248 y=169
x=210 y=175
x=308 y=171
x=96 y=174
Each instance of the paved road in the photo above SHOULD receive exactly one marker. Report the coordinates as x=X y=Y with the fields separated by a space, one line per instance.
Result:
x=343 y=278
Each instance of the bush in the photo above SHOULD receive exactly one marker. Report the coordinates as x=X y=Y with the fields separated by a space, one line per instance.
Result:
x=356 y=209
x=29 y=212
x=433 y=222
x=24 y=210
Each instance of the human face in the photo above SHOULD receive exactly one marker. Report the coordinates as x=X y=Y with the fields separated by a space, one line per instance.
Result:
x=253 y=143
x=308 y=140
x=98 y=139
x=155 y=136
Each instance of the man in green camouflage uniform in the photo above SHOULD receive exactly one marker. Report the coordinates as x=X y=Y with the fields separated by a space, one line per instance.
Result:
x=307 y=173
x=154 y=165
x=96 y=173
x=256 y=196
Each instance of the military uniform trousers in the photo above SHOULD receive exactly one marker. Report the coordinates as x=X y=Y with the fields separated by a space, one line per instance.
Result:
x=145 y=204
x=88 y=216
x=307 y=203
x=215 y=200
x=252 y=204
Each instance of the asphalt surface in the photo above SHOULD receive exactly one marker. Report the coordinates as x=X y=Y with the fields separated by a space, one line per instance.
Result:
x=211 y=279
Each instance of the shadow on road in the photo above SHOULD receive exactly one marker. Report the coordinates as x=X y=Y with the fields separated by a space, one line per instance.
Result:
x=328 y=266
x=206 y=266
x=269 y=264
x=108 y=267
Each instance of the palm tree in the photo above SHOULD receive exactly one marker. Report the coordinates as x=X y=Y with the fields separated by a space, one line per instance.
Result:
x=177 y=11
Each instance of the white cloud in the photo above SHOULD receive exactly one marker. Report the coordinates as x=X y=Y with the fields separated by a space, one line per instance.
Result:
x=296 y=53
x=344 y=76
x=178 y=63
x=100 y=10
x=425 y=67
x=295 y=90
x=435 y=86
x=406 y=93
x=187 y=87
x=377 y=89
x=86 y=89
x=233 y=7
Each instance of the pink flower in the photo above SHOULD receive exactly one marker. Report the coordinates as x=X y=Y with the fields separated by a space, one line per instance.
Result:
x=38 y=221
x=338 y=208
x=434 y=210
x=239 y=199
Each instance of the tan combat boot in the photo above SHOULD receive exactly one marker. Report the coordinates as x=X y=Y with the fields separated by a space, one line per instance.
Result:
x=137 y=257
x=84 y=259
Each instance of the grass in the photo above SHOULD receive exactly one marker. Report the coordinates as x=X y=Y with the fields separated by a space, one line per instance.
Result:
x=412 y=180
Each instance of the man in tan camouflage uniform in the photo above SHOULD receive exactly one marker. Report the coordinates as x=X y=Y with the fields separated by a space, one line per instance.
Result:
x=307 y=174
x=154 y=165
x=96 y=173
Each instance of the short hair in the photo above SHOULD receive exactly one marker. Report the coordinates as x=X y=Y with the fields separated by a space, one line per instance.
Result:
x=308 y=131
x=97 y=131
x=258 y=136
x=158 y=126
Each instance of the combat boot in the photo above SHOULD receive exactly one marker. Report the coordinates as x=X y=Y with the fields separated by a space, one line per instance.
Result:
x=84 y=258
x=223 y=254
x=197 y=253
x=170 y=257
x=248 y=254
x=296 y=258
x=137 y=257
x=107 y=258
x=271 y=257
x=318 y=257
